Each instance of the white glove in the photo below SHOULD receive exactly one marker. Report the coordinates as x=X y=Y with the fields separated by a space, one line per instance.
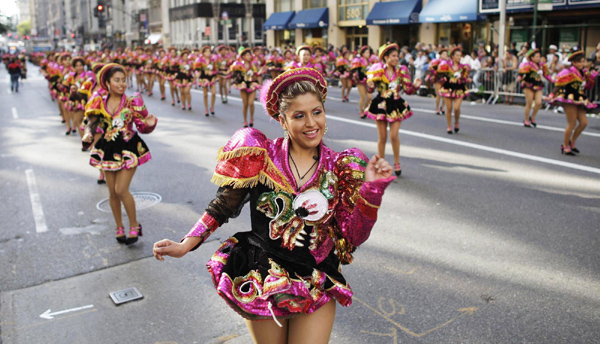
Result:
x=456 y=75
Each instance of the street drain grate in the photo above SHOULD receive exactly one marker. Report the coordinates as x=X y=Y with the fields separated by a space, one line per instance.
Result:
x=143 y=200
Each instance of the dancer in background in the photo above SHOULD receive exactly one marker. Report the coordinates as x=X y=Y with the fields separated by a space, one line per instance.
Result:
x=207 y=65
x=244 y=76
x=275 y=63
x=342 y=71
x=437 y=80
x=284 y=275
x=359 y=66
x=388 y=108
x=120 y=150
x=184 y=79
x=161 y=65
x=530 y=74
x=224 y=63
x=171 y=71
x=454 y=88
x=569 y=92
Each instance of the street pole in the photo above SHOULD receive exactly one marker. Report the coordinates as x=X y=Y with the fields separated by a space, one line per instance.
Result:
x=535 y=11
x=501 y=45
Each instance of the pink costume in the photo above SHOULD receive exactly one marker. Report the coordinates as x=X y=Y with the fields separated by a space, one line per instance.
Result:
x=388 y=105
x=245 y=79
x=456 y=79
x=290 y=261
x=209 y=68
x=531 y=74
x=120 y=147
x=358 y=70
x=570 y=86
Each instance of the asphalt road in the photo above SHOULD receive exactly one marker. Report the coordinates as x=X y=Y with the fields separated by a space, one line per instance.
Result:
x=489 y=236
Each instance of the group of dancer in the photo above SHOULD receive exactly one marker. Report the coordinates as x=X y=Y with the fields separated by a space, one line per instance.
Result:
x=450 y=78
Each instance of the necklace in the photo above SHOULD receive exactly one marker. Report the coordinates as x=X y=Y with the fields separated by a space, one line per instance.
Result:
x=296 y=167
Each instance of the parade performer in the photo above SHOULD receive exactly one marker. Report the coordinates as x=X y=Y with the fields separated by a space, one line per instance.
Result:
x=120 y=150
x=437 y=80
x=359 y=66
x=171 y=71
x=77 y=99
x=284 y=276
x=390 y=79
x=207 y=64
x=63 y=88
x=150 y=68
x=161 y=63
x=305 y=59
x=224 y=63
x=342 y=71
x=530 y=74
x=571 y=83
x=245 y=78
x=321 y=60
x=275 y=63
x=454 y=88
x=137 y=63
x=184 y=79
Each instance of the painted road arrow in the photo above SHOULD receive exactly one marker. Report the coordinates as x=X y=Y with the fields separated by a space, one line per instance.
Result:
x=50 y=315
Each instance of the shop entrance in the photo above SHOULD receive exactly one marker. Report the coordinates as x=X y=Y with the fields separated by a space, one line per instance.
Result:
x=356 y=37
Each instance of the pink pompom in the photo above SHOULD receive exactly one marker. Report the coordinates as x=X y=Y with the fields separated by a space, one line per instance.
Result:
x=262 y=95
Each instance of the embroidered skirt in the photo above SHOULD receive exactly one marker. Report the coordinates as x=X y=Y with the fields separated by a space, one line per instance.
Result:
x=119 y=154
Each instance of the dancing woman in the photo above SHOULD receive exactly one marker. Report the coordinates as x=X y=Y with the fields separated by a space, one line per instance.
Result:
x=454 y=88
x=274 y=63
x=224 y=63
x=388 y=107
x=77 y=99
x=359 y=66
x=437 y=80
x=530 y=74
x=63 y=88
x=245 y=78
x=342 y=71
x=207 y=65
x=120 y=150
x=171 y=71
x=284 y=276
x=571 y=83
x=161 y=65
x=184 y=79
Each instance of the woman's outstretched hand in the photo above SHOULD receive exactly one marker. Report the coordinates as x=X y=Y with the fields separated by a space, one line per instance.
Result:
x=377 y=168
x=168 y=247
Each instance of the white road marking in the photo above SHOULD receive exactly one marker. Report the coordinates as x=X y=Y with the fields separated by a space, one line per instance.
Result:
x=479 y=147
x=472 y=145
x=8 y=91
x=14 y=112
x=36 y=203
x=50 y=315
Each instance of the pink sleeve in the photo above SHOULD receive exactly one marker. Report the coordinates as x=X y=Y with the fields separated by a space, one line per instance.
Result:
x=140 y=113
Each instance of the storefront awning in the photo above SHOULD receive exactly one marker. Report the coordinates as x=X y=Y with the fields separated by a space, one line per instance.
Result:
x=444 y=11
x=278 y=21
x=308 y=19
x=395 y=12
x=154 y=38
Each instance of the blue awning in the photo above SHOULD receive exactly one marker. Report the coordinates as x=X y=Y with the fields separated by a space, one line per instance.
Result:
x=308 y=19
x=444 y=11
x=395 y=12
x=278 y=21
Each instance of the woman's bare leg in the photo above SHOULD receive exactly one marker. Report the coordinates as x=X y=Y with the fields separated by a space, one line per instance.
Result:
x=381 y=137
x=571 y=112
x=448 y=102
x=113 y=198
x=583 y=122
x=268 y=332
x=528 y=102
x=537 y=106
x=314 y=328
x=123 y=180
x=395 y=140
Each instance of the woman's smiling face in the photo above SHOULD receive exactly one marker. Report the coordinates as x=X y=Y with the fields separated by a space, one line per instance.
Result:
x=305 y=121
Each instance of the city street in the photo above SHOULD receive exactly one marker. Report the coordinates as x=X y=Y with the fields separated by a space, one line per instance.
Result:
x=489 y=236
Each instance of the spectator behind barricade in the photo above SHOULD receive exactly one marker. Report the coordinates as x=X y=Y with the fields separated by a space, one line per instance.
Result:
x=408 y=58
x=420 y=61
x=509 y=83
x=475 y=68
x=595 y=58
x=468 y=59
x=553 y=55
x=521 y=55
x=481 y=52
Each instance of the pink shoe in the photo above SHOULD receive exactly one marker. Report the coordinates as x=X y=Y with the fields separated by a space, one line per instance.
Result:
x=134 y=233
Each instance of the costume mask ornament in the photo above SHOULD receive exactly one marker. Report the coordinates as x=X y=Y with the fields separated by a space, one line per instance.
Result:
x=456 y=75
x=393 y=85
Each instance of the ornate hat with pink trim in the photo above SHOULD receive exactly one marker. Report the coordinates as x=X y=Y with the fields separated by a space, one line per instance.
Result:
x=303 y=47
x=385 y=48
x=242 y=50
x=456 y=48
x=531 y=52
x=269 y=94
x=575 y=55
x=363 y=48
x=205 y=47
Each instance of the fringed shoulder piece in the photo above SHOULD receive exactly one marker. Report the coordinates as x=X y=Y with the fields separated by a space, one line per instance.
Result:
x=565 y=77
x=238 y=66
x=244 y=162
x=376 y=72
x=95 y=107
x=524 y=67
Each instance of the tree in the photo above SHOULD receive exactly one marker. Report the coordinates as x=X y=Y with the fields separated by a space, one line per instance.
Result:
x=24 y=28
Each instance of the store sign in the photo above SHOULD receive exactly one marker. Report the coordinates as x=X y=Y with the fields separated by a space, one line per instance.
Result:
x=583 y=2
x=197 y=10
x=491 y=6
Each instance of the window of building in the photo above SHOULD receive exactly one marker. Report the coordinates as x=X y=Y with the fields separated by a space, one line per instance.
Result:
x=284 y=5
x=315 y=4
x=353 y=9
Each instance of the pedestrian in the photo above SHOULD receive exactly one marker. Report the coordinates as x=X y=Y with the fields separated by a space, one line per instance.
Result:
x=388 y=107
x=530 y=75
x=454 y=88
x=284 y=275
x=14 y=69
x=569 y=91
x=120 y=150
x=245 y=78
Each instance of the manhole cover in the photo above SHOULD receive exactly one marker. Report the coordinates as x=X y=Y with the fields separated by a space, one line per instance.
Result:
x=143 y=200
